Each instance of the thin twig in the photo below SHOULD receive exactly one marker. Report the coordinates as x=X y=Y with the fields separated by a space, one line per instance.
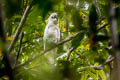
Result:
x=81 y=56
x=100 y=19
x=97 y=7
x=43 y=52
x=69 y=53
x=26 y=12
x=88 y=67
x=103 y=26
x=109 y=59
x=20 y=43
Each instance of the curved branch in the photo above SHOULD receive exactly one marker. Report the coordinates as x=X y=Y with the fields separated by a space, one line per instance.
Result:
x=43 y=52
x=69 y=53
x=109 y=59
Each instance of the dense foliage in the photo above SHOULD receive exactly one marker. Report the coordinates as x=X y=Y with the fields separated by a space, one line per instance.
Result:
x=84 y=52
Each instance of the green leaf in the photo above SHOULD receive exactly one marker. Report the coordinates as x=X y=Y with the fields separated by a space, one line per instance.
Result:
x=77 y=40
x=93 y=17
x=94 y=76
x=84 y=75
x=102 y=75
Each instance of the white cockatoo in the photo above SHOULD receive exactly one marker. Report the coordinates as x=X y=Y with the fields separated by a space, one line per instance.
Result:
x=51 y=32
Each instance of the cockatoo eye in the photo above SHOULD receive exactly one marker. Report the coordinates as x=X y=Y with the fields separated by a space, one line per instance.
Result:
x=53 y=17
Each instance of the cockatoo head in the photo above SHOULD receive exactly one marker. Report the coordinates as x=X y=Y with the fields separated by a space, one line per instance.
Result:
x=53 y=18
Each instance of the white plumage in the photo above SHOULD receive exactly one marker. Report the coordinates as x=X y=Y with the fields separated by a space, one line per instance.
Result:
x=51 y=32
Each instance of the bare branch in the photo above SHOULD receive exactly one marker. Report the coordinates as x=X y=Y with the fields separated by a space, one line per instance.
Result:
x=109 y=59
x=17 y=56
x=69 y=53
x=88 y=67
x=103 y=26
x=97 y=7
x=81 y=56
x=43 y=52
x=25 y=14
x=100 y=19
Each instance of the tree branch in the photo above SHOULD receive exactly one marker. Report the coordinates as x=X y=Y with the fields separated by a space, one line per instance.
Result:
x=43 y=52
x=103 y=26
x=81 y=56
x=69 y=53
x=100 y=19
x=97 y=7
x=109 y=59
x=88 y=67
x=25 y=14
x=17 y=55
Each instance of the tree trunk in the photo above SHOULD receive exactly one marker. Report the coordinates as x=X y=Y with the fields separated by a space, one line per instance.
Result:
x=115 y=74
